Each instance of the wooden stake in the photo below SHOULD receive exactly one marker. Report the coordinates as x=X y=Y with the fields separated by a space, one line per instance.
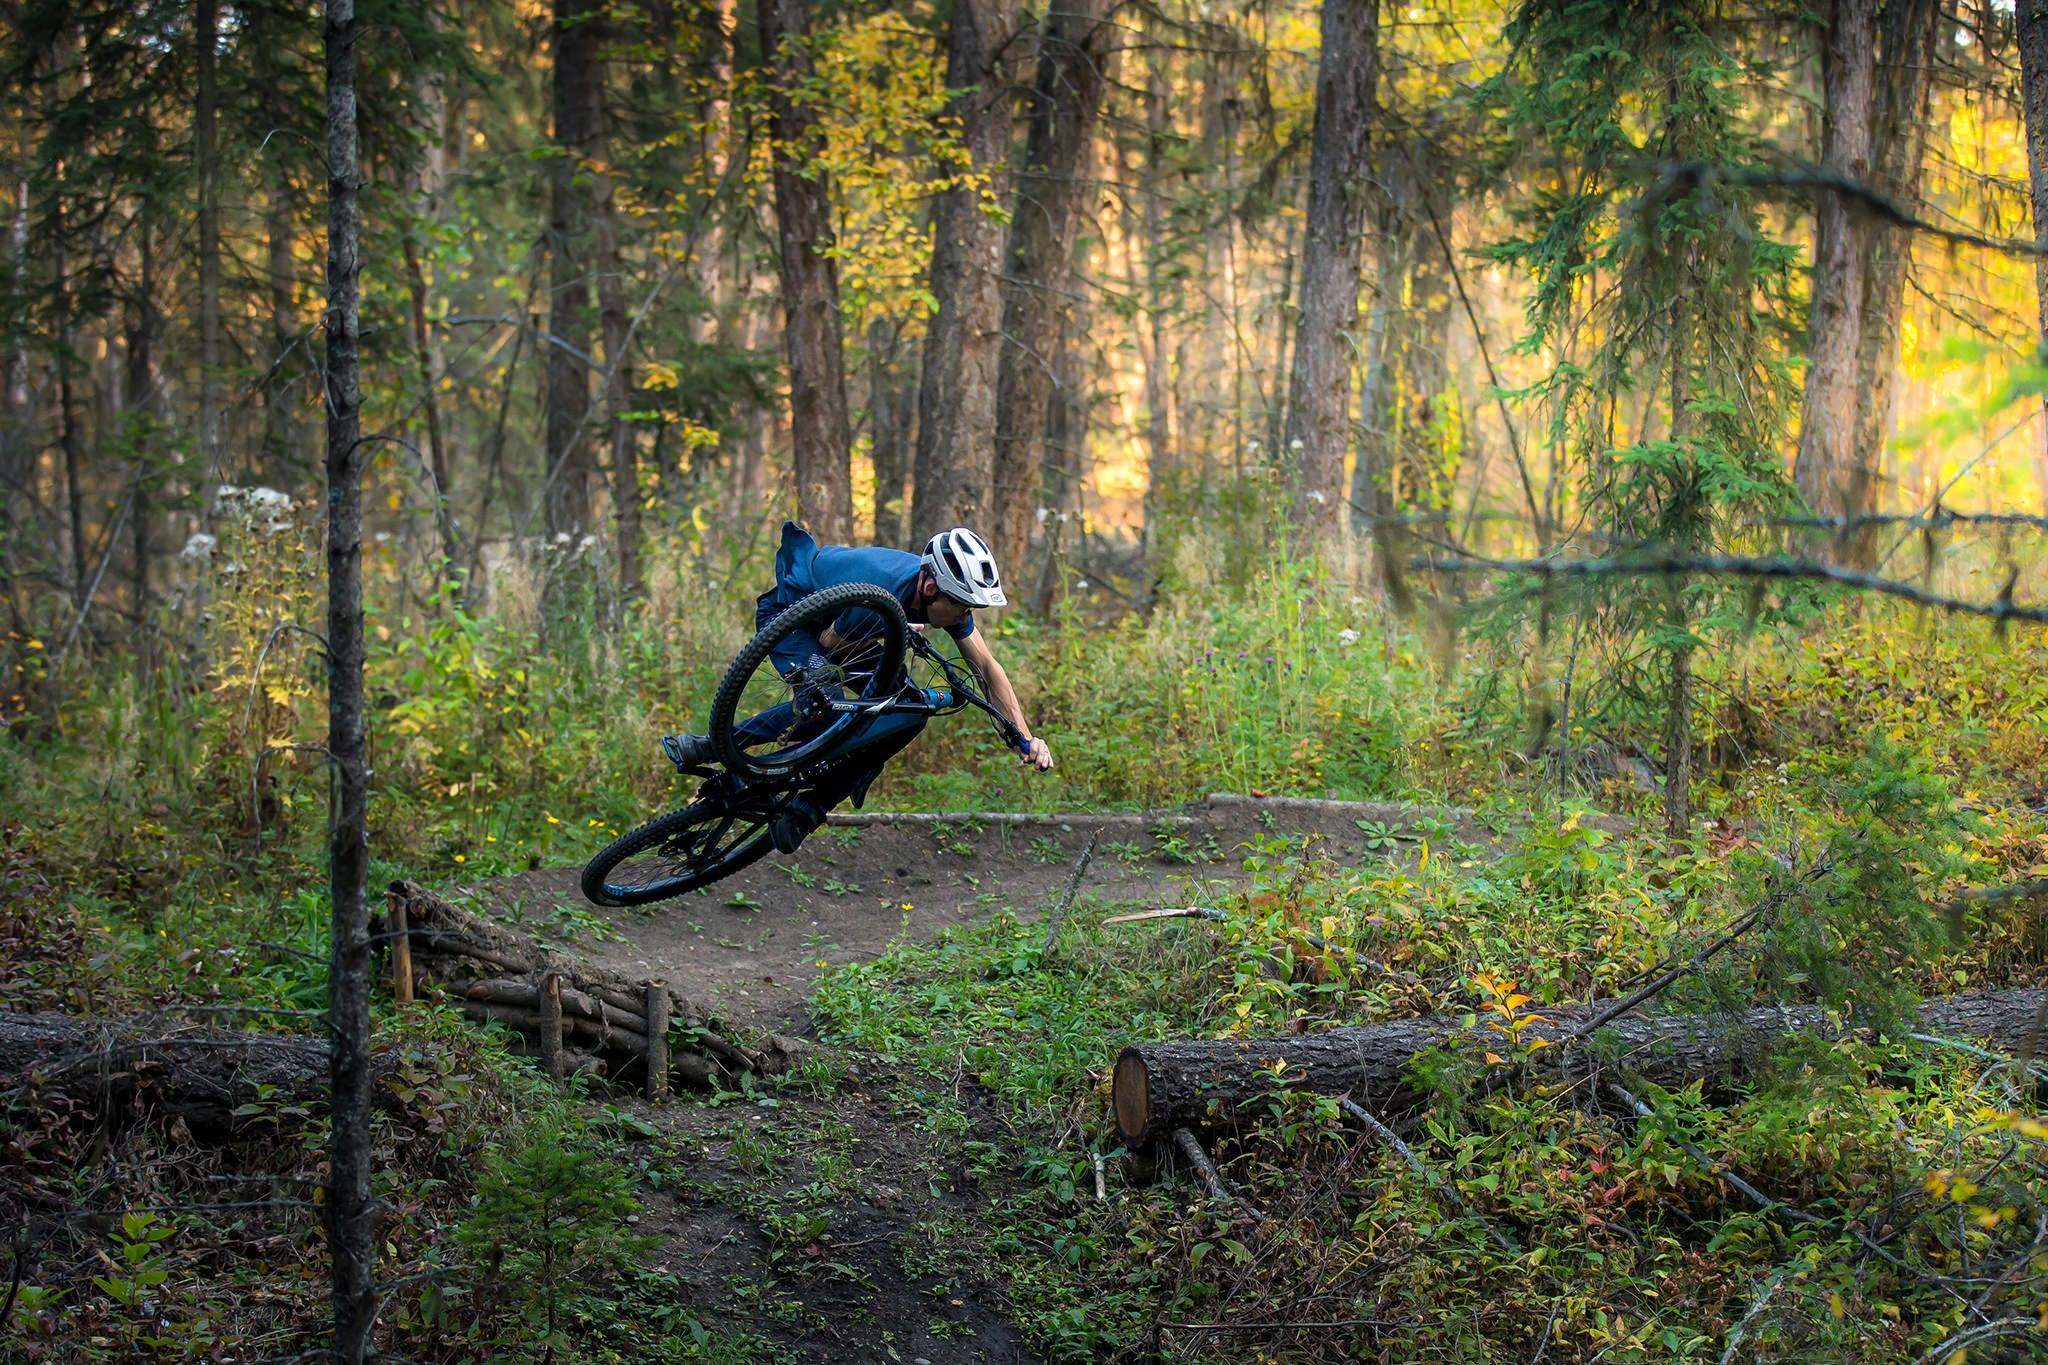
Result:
x=401 y=953
x=657 y=1041
x=551 y=1024
x=1059 y=912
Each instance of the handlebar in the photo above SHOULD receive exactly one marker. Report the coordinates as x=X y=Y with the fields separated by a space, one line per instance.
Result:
x=964 y=690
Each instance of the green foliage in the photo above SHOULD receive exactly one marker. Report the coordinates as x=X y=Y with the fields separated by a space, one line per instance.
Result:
x=549 y=1218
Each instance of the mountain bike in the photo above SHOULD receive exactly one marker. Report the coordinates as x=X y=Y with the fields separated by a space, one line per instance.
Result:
x=780 y=731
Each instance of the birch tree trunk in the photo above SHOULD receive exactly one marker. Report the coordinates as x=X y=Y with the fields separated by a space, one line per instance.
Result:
x=1051 y=188
x=821 y=435
x=351 y=1212
x=1828 y=469
x=1319 y=391
x=956 y=402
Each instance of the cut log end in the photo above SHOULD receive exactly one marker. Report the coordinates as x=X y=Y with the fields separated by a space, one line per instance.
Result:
x=1133 y=1096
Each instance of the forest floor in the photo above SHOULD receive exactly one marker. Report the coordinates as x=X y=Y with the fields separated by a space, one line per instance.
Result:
x=850 y=1221
x=751 y=945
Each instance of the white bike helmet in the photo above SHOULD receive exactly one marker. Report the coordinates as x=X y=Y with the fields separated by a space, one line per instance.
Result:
x=965 y=570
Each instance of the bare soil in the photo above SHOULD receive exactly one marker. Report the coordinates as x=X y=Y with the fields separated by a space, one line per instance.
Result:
x=752 y=944
x=840 y=1227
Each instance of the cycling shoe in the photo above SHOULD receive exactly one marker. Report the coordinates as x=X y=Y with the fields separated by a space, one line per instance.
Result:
x=788 y=830
x=688 y=751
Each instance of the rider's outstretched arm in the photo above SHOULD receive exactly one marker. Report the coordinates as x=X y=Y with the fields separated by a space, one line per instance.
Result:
x=982 y=660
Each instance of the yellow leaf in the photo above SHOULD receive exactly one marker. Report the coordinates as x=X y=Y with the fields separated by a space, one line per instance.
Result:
x=659 y=376
x=1836 y=1306
x=1495 y=1058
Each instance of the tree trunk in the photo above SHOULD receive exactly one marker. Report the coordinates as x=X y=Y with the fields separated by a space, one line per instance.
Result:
x=572 y=477
x=821 y=438
x=351 y=1239
x=613 y=326
x=1898 y=137
x=1403 y=459
x=280 y=431
x=625 y=451
x=1318 y=400
x=200 y=1075
x=140 y=365
x=2031 y=20
x=1203 y=1083
x=206 y=163
x=892 y=416
x=437 y=449
x=711 y=283
x=1066 y=444
x=1828 y=469
x=956 y=405
x=1051 y=189
x=426 y=175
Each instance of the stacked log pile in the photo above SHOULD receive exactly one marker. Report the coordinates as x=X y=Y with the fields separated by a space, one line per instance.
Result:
x=574 y=1016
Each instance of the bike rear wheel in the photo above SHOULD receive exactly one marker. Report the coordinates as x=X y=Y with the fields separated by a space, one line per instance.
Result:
x=766 y=725
x=708 y=839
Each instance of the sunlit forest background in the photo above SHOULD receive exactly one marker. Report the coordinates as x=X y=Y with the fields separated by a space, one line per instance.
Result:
x=526 y=217
x=1619 y=426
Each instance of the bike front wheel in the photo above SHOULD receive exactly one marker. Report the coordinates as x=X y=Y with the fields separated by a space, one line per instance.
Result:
x=708 y=839
x=764 y=724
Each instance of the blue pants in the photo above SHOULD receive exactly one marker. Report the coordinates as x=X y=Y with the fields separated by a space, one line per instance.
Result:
x=879 y=739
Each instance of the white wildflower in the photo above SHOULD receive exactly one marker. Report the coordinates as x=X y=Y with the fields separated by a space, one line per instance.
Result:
x=1347 y=637
x=199 y=548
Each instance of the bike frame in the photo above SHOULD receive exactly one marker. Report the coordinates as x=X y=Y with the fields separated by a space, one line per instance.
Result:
x=958 y=694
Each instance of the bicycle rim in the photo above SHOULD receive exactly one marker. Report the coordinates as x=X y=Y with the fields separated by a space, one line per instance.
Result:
x=766 y=724
x=678 y=852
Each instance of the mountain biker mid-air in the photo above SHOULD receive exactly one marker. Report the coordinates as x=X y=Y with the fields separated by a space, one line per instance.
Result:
x=941 y=588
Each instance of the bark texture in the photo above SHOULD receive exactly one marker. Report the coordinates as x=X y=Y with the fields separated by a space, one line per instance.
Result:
x=956 y=402
x=1051 y=190
x=1202 y=1083
x=206 y=164
x=1898 y=137
x=280 y=429
x=572 y=473
x=821 y=437
x=427 y=171
x=152 y=1067
x=1830 y=475
x=2031 y=21
x=1403 y=458
x=1319 y=389
x=892 y=417
x=350 y=1209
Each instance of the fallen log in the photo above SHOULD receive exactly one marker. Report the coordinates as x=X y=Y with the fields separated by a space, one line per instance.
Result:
x=149 y=1065
x=1207 y=1083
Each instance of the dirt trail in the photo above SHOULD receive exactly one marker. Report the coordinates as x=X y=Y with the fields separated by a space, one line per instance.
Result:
x=842 y=1227
x=752 y=944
